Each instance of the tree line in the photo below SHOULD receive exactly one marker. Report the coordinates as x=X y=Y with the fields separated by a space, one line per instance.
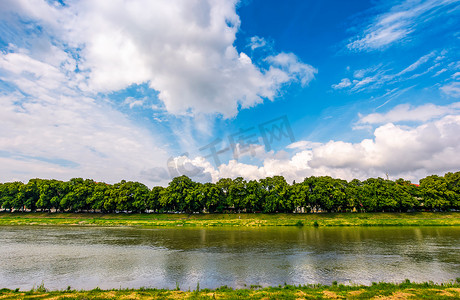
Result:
x=268 y=195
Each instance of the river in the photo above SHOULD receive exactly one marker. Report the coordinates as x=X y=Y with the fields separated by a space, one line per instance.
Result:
x=86 y=258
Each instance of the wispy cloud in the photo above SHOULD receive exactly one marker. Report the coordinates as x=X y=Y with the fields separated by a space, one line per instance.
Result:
x=452 y=89
x=417 y=64
x=399 y=23
x=133 y=102
x=257 y=42
x=440 y=72
x=382 y=76
x=345 y=82
x=406 y=112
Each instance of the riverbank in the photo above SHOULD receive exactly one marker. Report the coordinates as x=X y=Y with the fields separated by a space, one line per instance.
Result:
x=406 y=290
x=205 y=220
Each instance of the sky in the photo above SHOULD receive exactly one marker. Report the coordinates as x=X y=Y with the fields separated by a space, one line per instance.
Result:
x=149 y=90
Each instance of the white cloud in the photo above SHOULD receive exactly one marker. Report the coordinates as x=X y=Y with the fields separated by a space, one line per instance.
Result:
x=133 y=102
x=52 y=130
x=401 y=151
x=54 y=125
x=342 y=84
x=199 y=169
x=182 y=49
x=302 y=145
x=358 y=74
x=397 y=149
x=30 y=75
x=288 y=64
x=452 y=89
x=406 y=112
x=377 y=76
x=440 y=72
x=398 y=23
x=417 y=64
x=257 y=42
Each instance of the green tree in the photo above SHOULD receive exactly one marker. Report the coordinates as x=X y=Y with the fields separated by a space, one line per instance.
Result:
x=9 y=195
x=224 y=185
x=254 y=198
x=153 y=201
x=435 y=192
x=453 y=185
x=354 y=195
x=100 y=193
x=237 y=194
x=77 y=192
x=213 y=198
x=389 y=197
x=111 y=197
x=379 y=195
x=132 y=197
x=50 y=194
x=300 y=196
x=194 y=198
x=326 y=193
x=405 y=194
x=277 y=197
x=29 y=194
x=173 y=197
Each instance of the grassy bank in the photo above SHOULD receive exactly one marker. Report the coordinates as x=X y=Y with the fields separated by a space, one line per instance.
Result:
x=404 y=290
x=204 y=220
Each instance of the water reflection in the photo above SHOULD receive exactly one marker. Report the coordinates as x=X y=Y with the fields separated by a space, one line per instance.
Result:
x=85 y=258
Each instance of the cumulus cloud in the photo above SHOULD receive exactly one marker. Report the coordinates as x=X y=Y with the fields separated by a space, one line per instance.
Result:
x=63 y=57
x=397 y=149
x=399 y=23
x=54 y=125
x=410 y=152
x=198 y=168
x=182 y=49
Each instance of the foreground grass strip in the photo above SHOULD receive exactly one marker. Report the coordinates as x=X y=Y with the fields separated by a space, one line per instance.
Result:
x=248 y=220
x=406 y=290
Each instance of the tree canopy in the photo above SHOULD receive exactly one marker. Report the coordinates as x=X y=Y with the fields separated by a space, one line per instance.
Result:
x=269 y=195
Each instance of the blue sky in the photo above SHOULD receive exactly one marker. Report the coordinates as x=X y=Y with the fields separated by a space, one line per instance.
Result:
x=145 y=91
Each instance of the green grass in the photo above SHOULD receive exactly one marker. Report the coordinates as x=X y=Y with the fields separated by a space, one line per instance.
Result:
x=405 y=290
x=204 y=220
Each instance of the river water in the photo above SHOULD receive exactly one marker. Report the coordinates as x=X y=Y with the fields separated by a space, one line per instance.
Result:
x=86 y=258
